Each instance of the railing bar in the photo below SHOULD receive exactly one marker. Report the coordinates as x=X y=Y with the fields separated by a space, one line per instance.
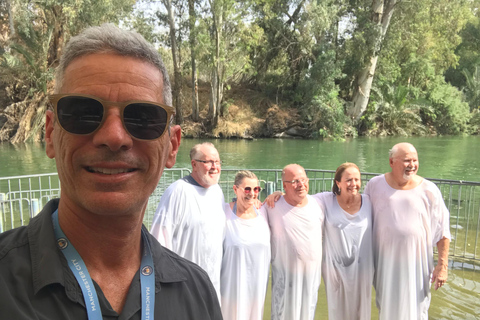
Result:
x=321 y=180
x=458 y=217
x=477 y=233
x=466 y=218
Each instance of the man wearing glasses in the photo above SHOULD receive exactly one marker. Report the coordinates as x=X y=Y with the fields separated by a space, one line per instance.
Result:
x=190 y=219
x=296 y=241
x=87 y=255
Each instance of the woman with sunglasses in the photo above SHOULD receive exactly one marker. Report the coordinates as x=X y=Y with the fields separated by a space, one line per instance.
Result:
x=246 y=253
x=347 y=263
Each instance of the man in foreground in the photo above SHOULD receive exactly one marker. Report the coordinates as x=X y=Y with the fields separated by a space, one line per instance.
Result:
x=409 y=219
x=87 y=254
x=296 y=241
x=190 y=219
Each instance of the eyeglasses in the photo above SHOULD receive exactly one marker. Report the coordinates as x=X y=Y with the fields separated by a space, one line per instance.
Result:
x=247 y=190
x=83 y=114
x=211 y=162
x=298 y=181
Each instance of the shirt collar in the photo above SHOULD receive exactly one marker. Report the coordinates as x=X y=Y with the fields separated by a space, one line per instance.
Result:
x=191 y=180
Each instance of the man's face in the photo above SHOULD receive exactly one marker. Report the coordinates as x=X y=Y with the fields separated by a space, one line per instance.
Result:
x=108 y=172
x=404 y=164
x=295 y=183
x=206 y=173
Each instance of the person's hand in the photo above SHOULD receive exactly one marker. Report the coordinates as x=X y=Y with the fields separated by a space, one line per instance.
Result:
x=271 y=199
x=439 y=275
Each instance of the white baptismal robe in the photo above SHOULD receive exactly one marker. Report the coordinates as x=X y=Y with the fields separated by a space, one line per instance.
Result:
x=190 y=221
x=296 y=239
x=347 y=266
x=407 y=224
x=245 y=266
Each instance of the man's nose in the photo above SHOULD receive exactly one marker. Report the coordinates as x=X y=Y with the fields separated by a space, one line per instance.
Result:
x=112 y=133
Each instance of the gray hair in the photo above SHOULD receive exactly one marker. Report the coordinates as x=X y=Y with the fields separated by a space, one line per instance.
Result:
x=391 y=152
x=242 y=174
x=108 y=38
x=196 y=149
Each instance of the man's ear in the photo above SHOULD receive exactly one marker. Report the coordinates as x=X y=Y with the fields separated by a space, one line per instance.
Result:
x=175 y=137
x=49 y=130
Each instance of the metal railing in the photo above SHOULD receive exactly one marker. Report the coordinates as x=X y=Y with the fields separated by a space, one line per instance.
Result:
x=22 y=197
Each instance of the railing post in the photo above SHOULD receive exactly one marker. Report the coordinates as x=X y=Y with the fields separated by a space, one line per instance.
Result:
x=269 y=187
x=34 y=207
x=3 y=198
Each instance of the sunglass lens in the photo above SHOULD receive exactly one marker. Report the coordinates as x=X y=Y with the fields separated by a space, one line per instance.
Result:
x=145 y=121
x=247 y=189
x=79 y=115
x=257 y=189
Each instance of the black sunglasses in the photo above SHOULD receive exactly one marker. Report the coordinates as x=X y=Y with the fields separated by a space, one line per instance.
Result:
x=83 y=114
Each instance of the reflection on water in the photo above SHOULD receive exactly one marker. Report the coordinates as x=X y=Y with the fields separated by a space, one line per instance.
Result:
x=460 y=297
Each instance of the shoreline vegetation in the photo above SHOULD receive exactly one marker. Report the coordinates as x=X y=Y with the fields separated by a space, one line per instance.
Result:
x=256 y=69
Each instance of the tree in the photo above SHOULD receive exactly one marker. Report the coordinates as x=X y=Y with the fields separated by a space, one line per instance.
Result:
x=41 y=29
x=472 y=87
x=192 y=18
x=381 y=14
x=176 y=67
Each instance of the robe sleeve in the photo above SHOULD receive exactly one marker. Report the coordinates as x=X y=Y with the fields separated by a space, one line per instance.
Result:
x=440 y=216
x=165 y=220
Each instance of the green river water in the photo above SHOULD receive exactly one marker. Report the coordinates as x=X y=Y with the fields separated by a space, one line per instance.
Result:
x=455 y=158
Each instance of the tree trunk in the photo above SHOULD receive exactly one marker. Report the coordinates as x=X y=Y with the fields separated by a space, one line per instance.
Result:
x=212 y=110
x=192 y=21
x=10 y=18
x=216 y=78
x=58 y=36
x=382 y=11
x=176 y=70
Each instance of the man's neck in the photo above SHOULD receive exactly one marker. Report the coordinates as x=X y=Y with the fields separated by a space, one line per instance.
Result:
x=300 y=202
x=402 y=184
x=110 y=246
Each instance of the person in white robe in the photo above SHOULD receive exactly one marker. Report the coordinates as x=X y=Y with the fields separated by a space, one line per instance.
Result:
x=296 y=239
x=409 y=219
x=190 y=219
x=347 y=264
x=246 y=253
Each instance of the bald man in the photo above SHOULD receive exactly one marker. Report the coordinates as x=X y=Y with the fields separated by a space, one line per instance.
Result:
x=296 y=242
x=409 y=219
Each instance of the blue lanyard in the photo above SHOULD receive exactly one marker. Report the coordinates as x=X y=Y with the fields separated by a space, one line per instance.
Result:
x=235 y=209
x=76 y=264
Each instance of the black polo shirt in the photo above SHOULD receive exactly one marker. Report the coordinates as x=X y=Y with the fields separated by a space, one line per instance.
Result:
x=36 y=282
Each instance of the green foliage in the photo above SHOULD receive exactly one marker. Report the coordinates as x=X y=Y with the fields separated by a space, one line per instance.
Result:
x=468 y=52
x=26 y=61
x=321 y=108
x=451 y=113
x=475 y=121
x=472 y=87
x=395 y=113
x=304 y=54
